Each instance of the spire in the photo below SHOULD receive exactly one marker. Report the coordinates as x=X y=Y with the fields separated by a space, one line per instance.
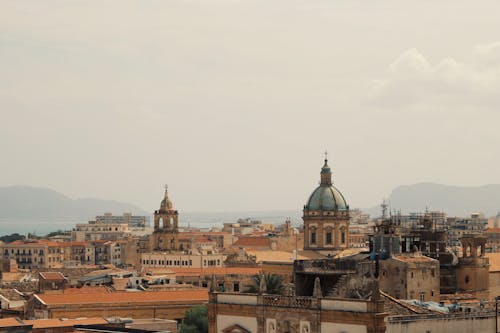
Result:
x=166 y=204
x=326 y=173
x=263 y=284
x=317 y=288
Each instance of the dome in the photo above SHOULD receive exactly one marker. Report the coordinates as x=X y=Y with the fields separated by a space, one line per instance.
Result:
x=326 y=198
x=166 y=203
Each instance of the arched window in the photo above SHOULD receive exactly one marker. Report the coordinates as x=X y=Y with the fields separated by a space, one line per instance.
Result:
x=313 y=235
x=328 y=236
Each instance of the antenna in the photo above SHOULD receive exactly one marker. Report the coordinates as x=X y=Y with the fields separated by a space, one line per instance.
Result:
x=384 y=206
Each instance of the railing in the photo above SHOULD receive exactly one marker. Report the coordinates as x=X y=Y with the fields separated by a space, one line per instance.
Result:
x=455 y=315
x=290 y=301
x=324 y=265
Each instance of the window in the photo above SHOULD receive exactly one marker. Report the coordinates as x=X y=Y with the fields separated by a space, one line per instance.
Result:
x=313 y=236
x=236 y=287
x=329 y=237
x=342 y=237
x=422 y=296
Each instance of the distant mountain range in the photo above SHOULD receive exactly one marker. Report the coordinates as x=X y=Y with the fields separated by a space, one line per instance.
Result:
x=31 y=209
x=454 y=200
x=34 y=202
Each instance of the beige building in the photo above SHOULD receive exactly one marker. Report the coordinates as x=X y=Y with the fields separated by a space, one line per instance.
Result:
x=263 y=313
x=181 y=259
x=154 y=304
x=96 y=230
x=410 y=276
x=34 y=254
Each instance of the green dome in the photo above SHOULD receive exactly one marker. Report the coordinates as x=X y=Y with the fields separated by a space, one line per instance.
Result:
x=326 y=197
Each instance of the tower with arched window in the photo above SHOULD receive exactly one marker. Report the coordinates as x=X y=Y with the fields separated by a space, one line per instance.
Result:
x=166 y=230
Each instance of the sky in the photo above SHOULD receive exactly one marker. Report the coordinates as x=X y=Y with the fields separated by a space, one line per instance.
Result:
x=233 y=102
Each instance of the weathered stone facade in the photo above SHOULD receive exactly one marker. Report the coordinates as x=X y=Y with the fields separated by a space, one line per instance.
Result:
x=165 y=234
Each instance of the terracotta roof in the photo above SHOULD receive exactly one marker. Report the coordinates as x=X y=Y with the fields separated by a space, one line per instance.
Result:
x=253 y=242
x=124 y=297
x=492 y=230
x=52 y=276
x=87 y=290
x=10 y=322
x=49 y=323
x=216 y=271
x=78 y=243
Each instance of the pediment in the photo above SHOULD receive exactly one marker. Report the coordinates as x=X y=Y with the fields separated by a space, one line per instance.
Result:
x=235 y=329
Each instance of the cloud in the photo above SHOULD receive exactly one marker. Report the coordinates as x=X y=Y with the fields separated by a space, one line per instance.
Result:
x=414 y=81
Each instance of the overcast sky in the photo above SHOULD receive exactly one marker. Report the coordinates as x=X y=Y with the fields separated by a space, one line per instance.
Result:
x=232 y=103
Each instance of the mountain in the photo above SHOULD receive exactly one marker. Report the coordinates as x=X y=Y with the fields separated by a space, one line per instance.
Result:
x=32 y=203
x=454 y=200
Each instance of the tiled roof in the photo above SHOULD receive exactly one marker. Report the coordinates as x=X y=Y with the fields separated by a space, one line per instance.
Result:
x=492 y=230
x=216 y=271
x=87 y=290
x=124 y=297
x=253 y=242
x=49 y=323
x=78 y=243
x=52 y=276
x=10 y=322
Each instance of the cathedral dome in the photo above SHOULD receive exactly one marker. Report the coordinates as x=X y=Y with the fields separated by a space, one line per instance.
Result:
x=326 y=196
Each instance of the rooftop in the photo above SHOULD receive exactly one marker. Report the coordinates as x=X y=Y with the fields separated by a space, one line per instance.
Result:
x=216 y=271
x=253 y=242
x=52 y=276
x=10 y=322
x=49 y=323
x=124 y=297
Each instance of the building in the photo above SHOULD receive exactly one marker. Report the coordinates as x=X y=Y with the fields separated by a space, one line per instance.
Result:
x=154 y=304
x=181 y=259
x=458 y=227
x=34 y=254
x=326 y=217
x=271 y=313
x=493 y=237
x=166 y=228
x=133 y=221
x=98 y=230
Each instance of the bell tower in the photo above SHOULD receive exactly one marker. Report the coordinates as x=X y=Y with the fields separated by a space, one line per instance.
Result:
x=165 y=233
